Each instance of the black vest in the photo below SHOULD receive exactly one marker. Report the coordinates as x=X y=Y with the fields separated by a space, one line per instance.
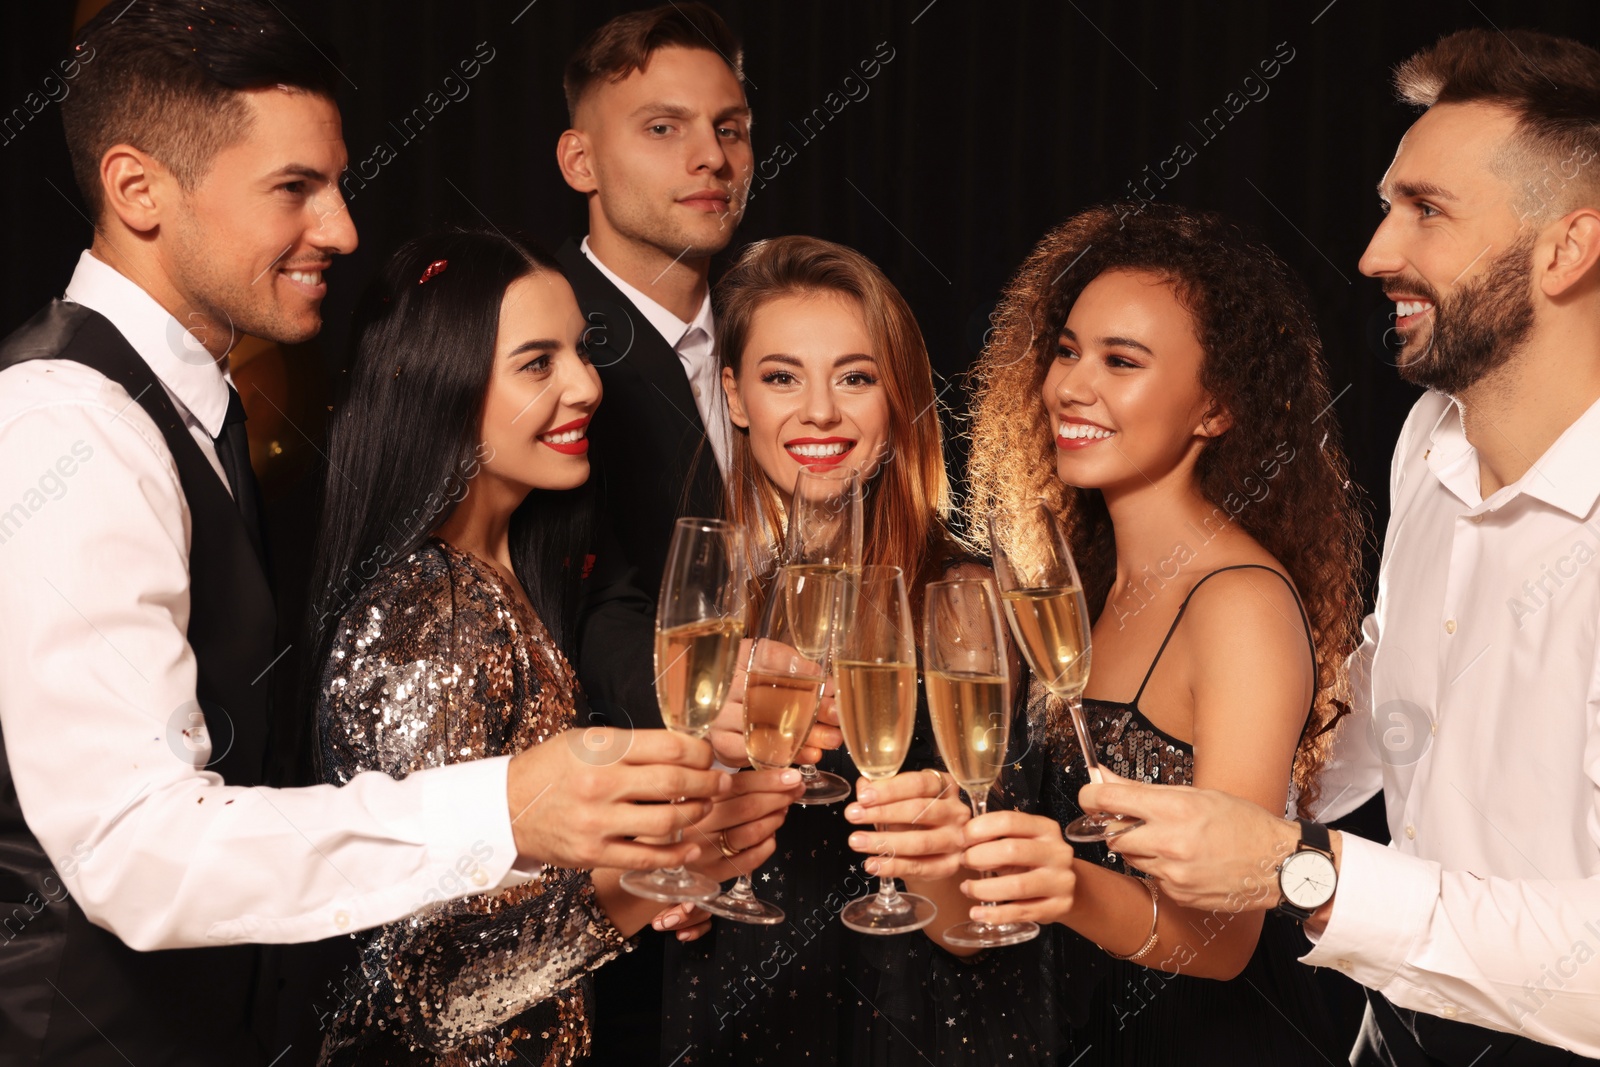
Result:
x=71 y=993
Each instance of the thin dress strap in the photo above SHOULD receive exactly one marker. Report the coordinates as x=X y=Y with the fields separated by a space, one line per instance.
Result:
x=1310 y=643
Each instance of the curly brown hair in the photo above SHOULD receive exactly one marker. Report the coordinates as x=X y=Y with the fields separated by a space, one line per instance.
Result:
x=1263 y=365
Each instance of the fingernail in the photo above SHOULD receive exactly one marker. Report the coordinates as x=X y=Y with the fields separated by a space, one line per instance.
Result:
x=853 y=812
x=683 y=935
x=858 y=841
x=871 y=866
x=790 y=777
x=670 y=921
x=867 y=796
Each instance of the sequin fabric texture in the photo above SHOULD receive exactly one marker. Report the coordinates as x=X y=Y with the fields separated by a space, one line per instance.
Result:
x=438 y=662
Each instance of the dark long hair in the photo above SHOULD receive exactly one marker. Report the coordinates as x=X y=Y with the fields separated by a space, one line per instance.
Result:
x=1263 y=365
x=405 y=444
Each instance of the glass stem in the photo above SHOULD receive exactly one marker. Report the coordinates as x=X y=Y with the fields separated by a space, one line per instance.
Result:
x=742 y=890
x=808 y=770
x=679 y=873
x=1080 y=726
x=980 y=806
x=888 y=895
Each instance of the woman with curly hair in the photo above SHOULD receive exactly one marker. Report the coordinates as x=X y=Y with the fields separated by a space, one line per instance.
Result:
x=1158 y=381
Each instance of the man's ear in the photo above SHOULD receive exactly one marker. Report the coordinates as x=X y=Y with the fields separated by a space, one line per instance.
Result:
x=572 y=156
x=134 y=187
x=1215 y=422
x=730 y=389
x=1568 y=250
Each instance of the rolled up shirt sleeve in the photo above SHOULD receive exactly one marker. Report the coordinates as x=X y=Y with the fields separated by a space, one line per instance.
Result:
x=94 y=671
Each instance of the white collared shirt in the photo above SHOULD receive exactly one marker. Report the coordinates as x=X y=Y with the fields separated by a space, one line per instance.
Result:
x=97 y=680
x=694 y=343
x=1477 y=711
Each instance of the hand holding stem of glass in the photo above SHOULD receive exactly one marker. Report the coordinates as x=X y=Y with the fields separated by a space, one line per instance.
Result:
x=969 y=700
x=1049 y=617
x=876 y=668
x=699 y=621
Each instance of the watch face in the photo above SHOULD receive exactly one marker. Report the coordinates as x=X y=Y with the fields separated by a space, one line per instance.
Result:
x=1307 y=879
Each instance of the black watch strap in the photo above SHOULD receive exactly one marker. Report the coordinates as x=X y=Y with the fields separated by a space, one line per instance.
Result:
x=1315 y=835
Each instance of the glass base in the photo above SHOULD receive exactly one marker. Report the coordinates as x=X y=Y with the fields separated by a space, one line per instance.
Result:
x=991 y=935
x=1099 y=826
x=905 y=912
x=823 y=788
x=670 y=886
x=743 y=908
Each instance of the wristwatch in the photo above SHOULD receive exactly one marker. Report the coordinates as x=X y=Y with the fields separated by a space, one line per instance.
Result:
x=1306 y=877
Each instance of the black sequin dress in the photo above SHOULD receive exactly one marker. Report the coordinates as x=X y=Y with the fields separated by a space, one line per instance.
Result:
x=438 y=662
x=812 y=991
x=1273 y=1014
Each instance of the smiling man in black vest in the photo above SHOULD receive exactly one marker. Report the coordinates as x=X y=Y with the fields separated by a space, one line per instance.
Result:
x=140 y=862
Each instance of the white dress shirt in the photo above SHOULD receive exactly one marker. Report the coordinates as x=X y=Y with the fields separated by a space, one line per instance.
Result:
x=694 y=343
x=97 y=681
x=1477 y=711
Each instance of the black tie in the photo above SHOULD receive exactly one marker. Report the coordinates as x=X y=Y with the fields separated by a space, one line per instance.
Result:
x=233 y=449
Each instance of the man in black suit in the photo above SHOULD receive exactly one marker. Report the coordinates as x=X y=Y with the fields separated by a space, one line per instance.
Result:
x=660 y=147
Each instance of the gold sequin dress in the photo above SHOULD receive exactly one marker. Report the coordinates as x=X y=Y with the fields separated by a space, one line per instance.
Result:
x=438 y=662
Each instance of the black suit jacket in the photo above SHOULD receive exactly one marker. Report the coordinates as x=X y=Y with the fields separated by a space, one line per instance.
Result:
x=651 y=464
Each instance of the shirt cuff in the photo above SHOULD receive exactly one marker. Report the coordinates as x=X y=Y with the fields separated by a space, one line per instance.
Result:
x=468 y=824
x=1380 y=910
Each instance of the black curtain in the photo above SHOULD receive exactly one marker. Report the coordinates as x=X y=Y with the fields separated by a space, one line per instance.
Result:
x=984 y=124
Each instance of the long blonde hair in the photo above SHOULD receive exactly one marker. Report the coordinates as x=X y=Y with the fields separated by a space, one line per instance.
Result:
x=907 y=505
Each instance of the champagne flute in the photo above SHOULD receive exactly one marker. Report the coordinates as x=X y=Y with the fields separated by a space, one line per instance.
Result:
x=877 y=670
x=824 y=537
x=782 y=690
x=969 y=698
x=699 y=621
x=1044 y=601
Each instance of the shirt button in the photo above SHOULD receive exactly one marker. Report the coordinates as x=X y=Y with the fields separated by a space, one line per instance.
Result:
x=1411 y=831
x=1449 y=1011
x=1450 y=626
x=341 y=919
x=1433 y=727
x=1477 y=518
x=1343 y=965
x=479 y=878
x=695 y=389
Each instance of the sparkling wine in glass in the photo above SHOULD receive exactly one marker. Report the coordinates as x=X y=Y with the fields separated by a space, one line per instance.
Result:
x=782 y=690
x=824 y=538
x=969 y=698
x=876 y=668
x=1044 y=602
x=699 y=621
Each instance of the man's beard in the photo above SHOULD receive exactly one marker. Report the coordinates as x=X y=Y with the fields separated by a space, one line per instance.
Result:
x=1478 y=328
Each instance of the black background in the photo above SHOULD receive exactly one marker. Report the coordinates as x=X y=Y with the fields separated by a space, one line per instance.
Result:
x=992 y=122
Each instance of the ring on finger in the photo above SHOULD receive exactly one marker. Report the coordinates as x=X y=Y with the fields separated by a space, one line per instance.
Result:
x=938 y=776
x=727 y=850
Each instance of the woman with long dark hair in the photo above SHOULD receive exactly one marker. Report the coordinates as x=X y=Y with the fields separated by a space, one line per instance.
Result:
x=824 y=366
x=446 y=581
x=1157 y=380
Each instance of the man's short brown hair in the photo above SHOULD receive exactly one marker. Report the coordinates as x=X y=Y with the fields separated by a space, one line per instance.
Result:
x=1552 y=85
x=166 y=77
x=626 y=43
